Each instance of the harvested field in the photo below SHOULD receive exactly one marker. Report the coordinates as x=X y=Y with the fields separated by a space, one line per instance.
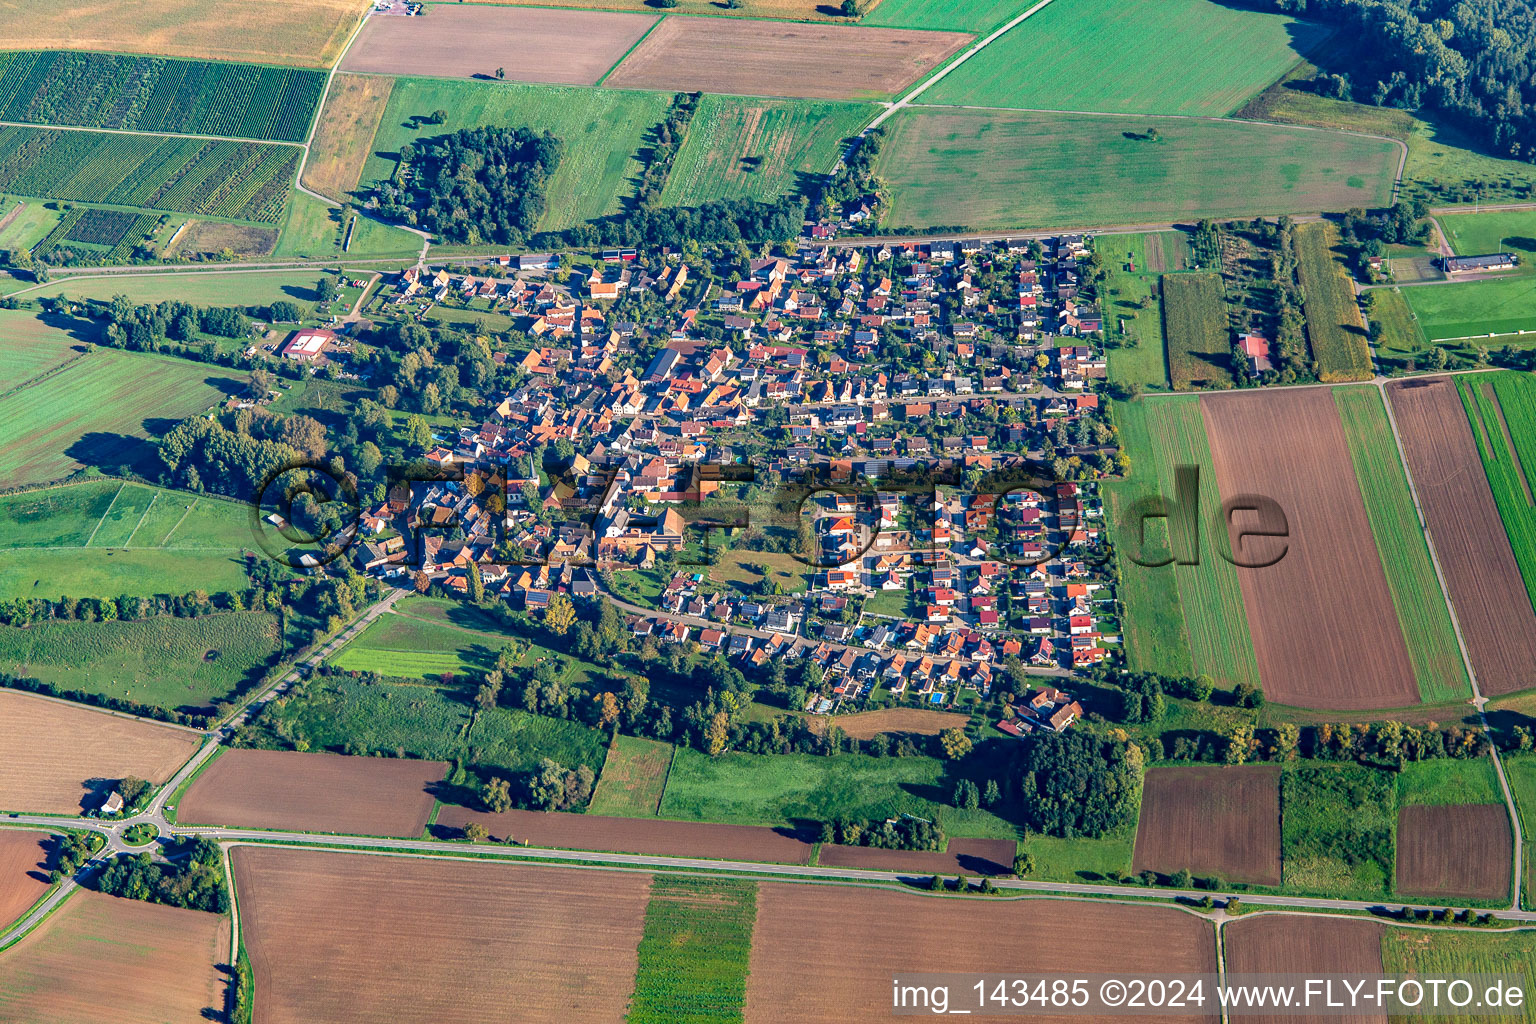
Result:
x=963 y=856
x=60 y=757
x=211 y=236
x=1211 y=821
x=866 y=725
x=1492 y=607
x=453 y=941
x=1454 y=851
x=1316 y=646
x=657 y=837
x=791 y=10
x=344 y=134
x=1296 y=944
x=775 y=58
x=23 y=872
x=148 y=963
x=282 y=789
x=855 y=939
x=533 y=44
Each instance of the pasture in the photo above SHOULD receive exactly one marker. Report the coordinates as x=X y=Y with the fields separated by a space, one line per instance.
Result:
x=742 y=147
x=353 y=110
x=1421 y=611
x=1492 y=606
x=777 y=790
x=952 y=166
x=100 y=90
x=326 y=949
x=1334 y=327
x=853 y=936
x=603 y=130
x=1199 y=336
x=238 y=180
x=652 y=836
x=777 y=58
x=530 y=44
x=149 y=963
x=634 y=775
x=23 y=872
x=694 y=951
x=1454 y=851
x=289 y=791
x=1137 y=351
x=1222 y=822
x=1208 y=58
x=1286 y=445
x=1502 y=408
x=1337 y=830
x=1476 y=309
x=169 y=662
x=58 y=754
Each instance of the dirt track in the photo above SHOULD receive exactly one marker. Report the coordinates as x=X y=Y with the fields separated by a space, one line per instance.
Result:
x=1211 y=821
x=1325 y=630
x=1454 y=851
x=1486 y=589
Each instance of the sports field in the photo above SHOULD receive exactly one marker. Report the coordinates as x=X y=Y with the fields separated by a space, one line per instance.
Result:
x=1334 y=328
x=1133 y=56
x=1416 y=594
x=962 y=167
x=1134 y=308
x=1474 y=234
x=740 y=147
x=1469 y=309
x=100 y=411
x=603 y=130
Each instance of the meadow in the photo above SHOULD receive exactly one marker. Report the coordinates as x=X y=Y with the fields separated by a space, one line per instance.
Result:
x=29 y=225
x=1401 y=339
x=343 y=137
x=313 y=230
x=1334 y=327
x=102 y=90
x=1199 y=336
x=694 y=952
x=781 y=789
x=962 y=167
x=1421 y=610
x=169 y=662
x=1447 y=781
x=201 y=288
x=236 y=180
x=1472 y=309
x=1337 y=829
x=1208 y=59
x=978 y=16
x=634 y=776
x=1134 y=310
x=1503 y=414
x=603 y=131
x=1521 y=773
x=741 y=147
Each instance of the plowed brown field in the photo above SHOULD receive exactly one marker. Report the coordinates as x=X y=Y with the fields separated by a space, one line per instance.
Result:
x=281 y=789
x=1211 y=821
x=653 y=836
x=101 y=958
x=1492 y=607
x=1325 y=630
x=1284 y=943
x=866 y=725
x=60 y=758
x=531 y=44
x=338 y=938
x=966 y=856
x=23 y=872
x=1457 y=850
x=828 y=955
x=776 y=58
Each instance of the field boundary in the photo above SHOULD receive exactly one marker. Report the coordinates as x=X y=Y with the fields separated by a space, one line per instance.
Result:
x=115 y=495
x=625 y=56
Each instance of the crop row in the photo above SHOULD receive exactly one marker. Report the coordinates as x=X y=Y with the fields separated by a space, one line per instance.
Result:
x=102 y=90
x=102 y=227
x=237 y=180
x=60 y=231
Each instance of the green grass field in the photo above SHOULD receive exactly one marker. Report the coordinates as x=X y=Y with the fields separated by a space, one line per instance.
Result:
x=1134 y=308
x=1521 y=773
x=1473 y=234
x=779 y=789
x=1199 y=334
x=1511 y=472
x=1337 y=829
x=1080 y=859
x=313 y=230
x=1434 y=952
x=1334 y=328
x=201 y=288
x=1449 y=782
x=1167 y=57
x=979 y=16
x=603 y=130
x=1400 y=337
x=634 y=775
x=1421 y=610
x=431 y=722
x=30 y=346
x=695 y=951
x=31 y=224
x=1471 y=309
x=741 y=147
x=106 y=538
x=165 y=661
x=963 y=167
